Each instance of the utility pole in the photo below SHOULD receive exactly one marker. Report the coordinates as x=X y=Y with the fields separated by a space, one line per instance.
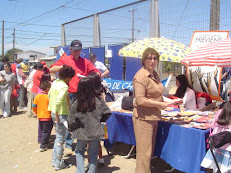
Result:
x=214 y=15
x=96 y=31
x=2 y=38
x=154 y=18
x=13 y=44
x=133 y=26
x=63 y=36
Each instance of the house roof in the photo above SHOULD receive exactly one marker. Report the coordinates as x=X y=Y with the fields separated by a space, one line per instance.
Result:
x=30 y=51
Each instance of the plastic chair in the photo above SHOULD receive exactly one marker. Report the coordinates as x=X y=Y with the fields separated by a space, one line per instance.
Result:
x=218 y=140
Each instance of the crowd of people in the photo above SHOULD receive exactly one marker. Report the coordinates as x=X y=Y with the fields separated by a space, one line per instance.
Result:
x=50 y=98
x=73 y=102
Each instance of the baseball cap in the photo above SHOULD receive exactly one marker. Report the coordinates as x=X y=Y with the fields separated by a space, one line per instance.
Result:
x=91 y=55
x=44 y=64
x=76 y=45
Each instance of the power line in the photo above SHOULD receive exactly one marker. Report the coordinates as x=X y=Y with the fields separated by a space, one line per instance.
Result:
x=44 y=13
x=180 y=18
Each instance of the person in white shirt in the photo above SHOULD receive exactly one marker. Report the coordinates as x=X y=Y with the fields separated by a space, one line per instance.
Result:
x=185 y=92
x=99 y=65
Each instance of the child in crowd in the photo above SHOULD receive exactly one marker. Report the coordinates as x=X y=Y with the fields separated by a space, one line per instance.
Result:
x=84 y=120
x=40 y=107
x=98 y=88
x=45 y=77
x=223 y=154
x=59 y=106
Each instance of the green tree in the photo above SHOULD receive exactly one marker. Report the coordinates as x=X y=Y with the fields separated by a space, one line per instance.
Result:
x=9 y=53
x=167 y=67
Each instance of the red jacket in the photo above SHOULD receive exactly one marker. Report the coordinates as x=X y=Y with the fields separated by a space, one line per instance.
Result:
x=36 y=81
x=82 y=66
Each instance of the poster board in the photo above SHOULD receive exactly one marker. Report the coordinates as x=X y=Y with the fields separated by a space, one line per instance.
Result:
x=201 y=38
x=205 y=79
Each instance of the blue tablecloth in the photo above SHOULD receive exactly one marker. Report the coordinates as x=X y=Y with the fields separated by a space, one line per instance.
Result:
x=183 y=148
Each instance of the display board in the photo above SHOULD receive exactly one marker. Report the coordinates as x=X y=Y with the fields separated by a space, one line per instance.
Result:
x=205 y=79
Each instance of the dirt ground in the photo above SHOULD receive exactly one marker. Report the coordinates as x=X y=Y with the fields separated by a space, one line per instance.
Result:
x=19 y=150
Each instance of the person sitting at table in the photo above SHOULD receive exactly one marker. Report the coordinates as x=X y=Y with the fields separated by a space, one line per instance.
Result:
x=185 y=92
x=148 y=102
x=223 y=154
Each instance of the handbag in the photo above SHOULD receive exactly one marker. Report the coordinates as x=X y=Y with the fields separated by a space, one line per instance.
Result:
x=220 y=139
x=127 y=103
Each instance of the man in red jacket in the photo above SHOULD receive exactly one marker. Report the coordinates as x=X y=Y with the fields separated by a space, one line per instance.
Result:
x=81 y=66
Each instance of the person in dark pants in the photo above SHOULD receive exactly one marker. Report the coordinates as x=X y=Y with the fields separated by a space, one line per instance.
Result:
x=40 y=107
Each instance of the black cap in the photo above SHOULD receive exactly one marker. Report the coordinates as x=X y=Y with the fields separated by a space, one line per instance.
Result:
x=40 y=65
x=76 y=45
x=91 y=55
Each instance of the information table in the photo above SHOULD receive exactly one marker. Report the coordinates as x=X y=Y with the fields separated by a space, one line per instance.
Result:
x=183 y=148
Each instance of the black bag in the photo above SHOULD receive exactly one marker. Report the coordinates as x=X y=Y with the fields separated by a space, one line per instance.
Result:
x=127 y=103
x=220 y=139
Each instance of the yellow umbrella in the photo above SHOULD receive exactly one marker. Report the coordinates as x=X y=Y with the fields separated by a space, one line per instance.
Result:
x=169 y=50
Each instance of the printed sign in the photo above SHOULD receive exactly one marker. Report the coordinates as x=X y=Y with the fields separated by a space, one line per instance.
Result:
x=120 y=84
x=201 y=38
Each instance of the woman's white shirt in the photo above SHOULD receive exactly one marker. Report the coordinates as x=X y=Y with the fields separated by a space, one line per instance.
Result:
x=189 y=100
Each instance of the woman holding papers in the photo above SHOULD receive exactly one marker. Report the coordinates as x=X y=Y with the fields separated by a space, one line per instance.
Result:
x=148 y=102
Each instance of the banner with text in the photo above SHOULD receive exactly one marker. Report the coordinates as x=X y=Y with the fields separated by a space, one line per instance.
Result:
x=120 y=84
x=201 y=38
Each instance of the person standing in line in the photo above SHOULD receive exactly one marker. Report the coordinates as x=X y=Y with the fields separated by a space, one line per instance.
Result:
x=25 y=66
x=4 y=60
x=99 y=65
x=40 y=108
x=7 y=85
x=21 y=78
x=14 y=65
x=84 y=120
x=81 y=66
x=59 y=107
x=28 y=85
x=36 y=79
x=148 y=103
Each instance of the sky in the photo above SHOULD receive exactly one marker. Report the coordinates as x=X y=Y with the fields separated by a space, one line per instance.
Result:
x=37 y=23
x=19 y=14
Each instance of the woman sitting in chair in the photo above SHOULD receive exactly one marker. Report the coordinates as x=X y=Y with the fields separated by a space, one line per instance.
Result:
x=185 y=92
x=223 y=154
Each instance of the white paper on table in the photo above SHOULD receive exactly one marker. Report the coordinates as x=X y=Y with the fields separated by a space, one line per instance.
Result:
x=65 y=124
x=166 y=99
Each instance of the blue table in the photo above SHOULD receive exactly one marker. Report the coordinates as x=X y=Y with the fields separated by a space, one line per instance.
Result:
x=183 y=148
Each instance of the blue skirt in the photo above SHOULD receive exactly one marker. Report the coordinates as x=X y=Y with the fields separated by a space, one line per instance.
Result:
x=223 y=158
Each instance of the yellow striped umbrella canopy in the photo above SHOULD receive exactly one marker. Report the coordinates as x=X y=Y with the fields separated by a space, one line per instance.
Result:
x=169 y=50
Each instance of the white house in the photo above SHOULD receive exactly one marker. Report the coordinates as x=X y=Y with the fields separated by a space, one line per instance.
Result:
x=32 y=55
